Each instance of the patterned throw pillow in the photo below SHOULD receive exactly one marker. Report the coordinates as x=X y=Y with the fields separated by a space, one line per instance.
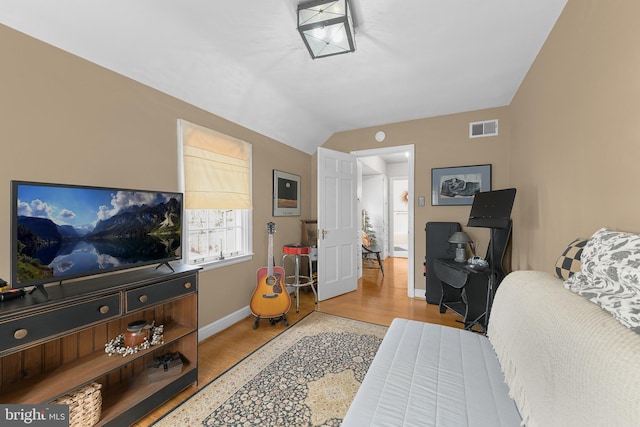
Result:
x=610 y=275
x=569 y=262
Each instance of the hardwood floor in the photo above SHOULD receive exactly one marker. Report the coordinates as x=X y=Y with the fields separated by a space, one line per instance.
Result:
x=378 y=300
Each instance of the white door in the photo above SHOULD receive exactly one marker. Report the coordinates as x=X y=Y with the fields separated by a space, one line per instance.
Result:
x=337 y=227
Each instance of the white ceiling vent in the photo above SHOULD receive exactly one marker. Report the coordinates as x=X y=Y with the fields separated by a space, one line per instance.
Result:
x=486 y=128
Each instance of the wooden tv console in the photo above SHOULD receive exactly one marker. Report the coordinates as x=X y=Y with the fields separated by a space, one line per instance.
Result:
x=51 y=347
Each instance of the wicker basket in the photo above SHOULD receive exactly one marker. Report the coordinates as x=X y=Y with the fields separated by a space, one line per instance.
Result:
x=85 y=405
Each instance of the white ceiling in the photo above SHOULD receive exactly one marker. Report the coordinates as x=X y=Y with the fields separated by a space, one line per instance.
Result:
x=245 y=61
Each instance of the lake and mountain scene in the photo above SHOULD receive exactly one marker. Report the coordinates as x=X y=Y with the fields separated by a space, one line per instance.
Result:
x=73 y=231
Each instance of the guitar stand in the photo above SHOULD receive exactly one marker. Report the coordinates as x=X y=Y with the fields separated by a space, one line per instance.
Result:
x=272 y=320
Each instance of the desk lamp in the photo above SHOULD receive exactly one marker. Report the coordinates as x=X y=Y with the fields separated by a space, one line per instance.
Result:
x=460 y=238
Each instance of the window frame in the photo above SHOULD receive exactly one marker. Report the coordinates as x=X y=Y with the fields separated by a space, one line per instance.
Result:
x=244 y=217
x=247 y=219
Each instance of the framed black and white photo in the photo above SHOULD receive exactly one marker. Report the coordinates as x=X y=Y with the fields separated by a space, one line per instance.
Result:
x=286 y=194
x=457 y=185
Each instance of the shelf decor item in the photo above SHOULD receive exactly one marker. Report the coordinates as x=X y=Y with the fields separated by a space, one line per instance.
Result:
x=118 y=345
x=165 y=366
x=85 y=405
x=137 y=332
x=457 y=185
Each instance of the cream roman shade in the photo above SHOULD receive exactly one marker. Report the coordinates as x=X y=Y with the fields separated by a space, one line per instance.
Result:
x=217 y=169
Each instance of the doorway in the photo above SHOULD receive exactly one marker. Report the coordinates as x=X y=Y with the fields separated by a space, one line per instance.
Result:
x=403 y=154
x=399 y=224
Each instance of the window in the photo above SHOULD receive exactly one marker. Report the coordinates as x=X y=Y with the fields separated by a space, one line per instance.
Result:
x=216 y=234
x=216 y=180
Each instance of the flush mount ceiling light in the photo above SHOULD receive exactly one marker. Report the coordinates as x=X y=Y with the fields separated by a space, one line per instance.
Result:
x=326 y=27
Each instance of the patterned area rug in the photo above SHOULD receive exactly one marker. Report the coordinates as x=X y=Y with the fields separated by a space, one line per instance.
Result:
x=306 y=376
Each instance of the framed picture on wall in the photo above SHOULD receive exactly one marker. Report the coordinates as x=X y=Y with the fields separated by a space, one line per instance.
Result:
x=286 y=194
x=457 y=185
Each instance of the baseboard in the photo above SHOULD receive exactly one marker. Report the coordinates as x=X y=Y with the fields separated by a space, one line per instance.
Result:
x=222 y=324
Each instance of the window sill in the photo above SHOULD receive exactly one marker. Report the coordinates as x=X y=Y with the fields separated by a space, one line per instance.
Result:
x=212 y=265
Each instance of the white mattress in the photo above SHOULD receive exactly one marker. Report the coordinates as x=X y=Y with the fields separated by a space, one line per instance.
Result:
x=432 y=375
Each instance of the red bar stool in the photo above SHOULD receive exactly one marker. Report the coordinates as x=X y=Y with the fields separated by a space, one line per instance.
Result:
x=297 y=280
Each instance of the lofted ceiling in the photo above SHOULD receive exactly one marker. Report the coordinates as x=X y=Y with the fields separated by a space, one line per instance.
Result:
x=244 y=60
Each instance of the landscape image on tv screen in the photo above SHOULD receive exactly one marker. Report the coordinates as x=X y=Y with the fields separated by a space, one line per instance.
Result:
x=71 y=231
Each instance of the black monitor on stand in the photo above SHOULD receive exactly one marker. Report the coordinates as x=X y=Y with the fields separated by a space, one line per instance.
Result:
x=492 y=209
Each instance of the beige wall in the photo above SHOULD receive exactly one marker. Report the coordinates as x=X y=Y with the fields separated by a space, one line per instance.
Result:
x=439 y=142
x=576 y=132
x=569 y=143
x=65 y=120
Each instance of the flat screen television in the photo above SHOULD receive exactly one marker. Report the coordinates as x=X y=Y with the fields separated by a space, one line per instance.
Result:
x=60 y=232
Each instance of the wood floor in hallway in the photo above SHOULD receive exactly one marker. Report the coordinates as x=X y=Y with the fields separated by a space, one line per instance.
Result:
x=378 y=299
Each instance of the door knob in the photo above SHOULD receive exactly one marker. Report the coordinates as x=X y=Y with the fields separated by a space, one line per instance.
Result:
x=324 y=233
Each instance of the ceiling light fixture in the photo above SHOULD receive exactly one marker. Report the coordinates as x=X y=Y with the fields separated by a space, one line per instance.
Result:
x=326 y=26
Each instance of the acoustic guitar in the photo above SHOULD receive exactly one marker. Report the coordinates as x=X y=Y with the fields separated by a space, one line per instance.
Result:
x=270 y=298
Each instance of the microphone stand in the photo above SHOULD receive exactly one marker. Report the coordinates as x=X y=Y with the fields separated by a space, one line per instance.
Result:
x=490 y=282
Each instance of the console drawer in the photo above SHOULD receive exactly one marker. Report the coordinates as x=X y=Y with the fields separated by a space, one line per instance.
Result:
x=21 y=331
x=153 y=294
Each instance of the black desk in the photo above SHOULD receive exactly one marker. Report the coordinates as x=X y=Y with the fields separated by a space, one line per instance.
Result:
x=464 y=291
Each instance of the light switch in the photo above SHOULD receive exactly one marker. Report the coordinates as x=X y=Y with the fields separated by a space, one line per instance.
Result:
x=421 y=201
